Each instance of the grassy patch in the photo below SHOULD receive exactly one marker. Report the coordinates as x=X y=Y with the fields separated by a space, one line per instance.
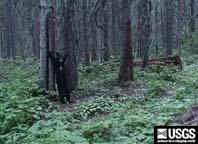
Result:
x=106 y=113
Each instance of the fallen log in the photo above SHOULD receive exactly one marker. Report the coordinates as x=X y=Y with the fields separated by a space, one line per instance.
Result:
x=176 y=60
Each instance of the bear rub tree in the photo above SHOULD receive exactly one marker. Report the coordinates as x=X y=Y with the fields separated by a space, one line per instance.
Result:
x=61 y=77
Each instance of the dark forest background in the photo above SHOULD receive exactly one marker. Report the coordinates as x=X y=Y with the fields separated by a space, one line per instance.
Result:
x=97 y=26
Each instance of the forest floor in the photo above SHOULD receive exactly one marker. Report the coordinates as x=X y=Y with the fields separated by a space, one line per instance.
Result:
x=104 y=111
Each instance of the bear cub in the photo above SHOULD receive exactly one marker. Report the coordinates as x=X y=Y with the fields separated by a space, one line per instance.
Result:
x=58 y=63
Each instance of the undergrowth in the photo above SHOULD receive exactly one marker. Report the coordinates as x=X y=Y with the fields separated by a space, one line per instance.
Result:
x=103 y=116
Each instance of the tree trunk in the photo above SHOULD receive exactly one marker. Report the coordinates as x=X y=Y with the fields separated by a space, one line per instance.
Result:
x=85 y=32
x=162 y=25
x=156 y=31
x=36 y=33
x=9 y=26
x=114 y=28
x=180 y=22
x=168 y=32
x=70 y=45
x=52 y=47
x=93 y=42
x=43 y=43
x=144 y=28
x=192 y=14
x=106 y=50
x=126 y=67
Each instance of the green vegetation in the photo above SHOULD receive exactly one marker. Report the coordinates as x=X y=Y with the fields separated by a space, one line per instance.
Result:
x=107 y=112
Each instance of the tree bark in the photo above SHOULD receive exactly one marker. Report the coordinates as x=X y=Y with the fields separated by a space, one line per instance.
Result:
x=93 y=42
x=168 y=31
x=106 y=50
x=9 y=29
x=52 y=47
x=144 y=28
x=126 y=67
x=70 y=45
x=114 y=28
x=85 y=32
x=180 y=22
x=156 y=31
x=44 y=4
x=162 y=25
x=192 y=14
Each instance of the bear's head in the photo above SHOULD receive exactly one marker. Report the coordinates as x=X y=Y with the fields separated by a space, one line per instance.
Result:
x=60 y=60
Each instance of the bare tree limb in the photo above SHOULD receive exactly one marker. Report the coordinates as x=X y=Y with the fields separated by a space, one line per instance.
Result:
x=93 y=11
x=98 y=5
x=189 y=20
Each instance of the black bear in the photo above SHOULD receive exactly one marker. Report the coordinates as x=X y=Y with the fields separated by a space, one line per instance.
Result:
x=61 y=78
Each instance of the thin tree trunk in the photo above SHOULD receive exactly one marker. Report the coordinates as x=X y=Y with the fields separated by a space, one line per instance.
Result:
x=9 y=29
x=162 y=25
x=144 y=28
x=156 y=31
x=85 y=32
x=192 y=14
x=52 y=47
x=169 y=13
x=43 y=43
x=180 y=22
x=106 y=50
x=93 y=42
x=114 y=22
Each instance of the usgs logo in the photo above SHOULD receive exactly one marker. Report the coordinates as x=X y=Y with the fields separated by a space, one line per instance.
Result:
x=175 y=134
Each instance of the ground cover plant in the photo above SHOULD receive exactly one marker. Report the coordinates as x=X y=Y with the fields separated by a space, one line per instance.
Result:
x=105 y=111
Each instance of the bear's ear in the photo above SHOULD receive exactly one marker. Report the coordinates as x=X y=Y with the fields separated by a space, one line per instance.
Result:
x=57 y=55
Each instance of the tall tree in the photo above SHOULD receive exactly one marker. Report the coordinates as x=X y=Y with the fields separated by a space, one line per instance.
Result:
x=180 y=22
x=144 y=28
x=85 y=32
x=93 y=38
x=162 y=24
x=45 y=10
x=168 y=26
x=51 y=45
x=106 y=49
x=126 y=66
x=70 y=44
x=115 y=18
x=156 y=30
x=93 y=42
x=9 y=25
x=192 y=14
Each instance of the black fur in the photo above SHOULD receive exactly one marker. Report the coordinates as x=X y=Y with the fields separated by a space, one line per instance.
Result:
x=61 y=78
